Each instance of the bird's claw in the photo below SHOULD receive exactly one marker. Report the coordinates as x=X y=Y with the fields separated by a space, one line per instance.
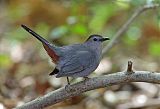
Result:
x=86 y=78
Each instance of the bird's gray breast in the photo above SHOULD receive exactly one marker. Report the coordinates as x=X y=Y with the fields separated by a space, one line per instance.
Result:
x=77 y=61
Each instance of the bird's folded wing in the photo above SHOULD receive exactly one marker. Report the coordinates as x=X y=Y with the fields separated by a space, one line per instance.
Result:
x=77 y=63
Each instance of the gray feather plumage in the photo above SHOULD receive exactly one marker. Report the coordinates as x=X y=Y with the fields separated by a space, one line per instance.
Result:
x=77 y=60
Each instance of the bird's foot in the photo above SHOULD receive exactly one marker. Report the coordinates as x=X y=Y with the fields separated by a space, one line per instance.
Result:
x=86 y=78
x=67 y=87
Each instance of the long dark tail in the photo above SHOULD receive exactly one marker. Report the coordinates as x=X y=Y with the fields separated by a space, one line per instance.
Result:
x=48 y=47
x=44 y=41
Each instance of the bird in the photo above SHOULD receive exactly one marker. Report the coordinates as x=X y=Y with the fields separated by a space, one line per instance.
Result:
x=75 y=60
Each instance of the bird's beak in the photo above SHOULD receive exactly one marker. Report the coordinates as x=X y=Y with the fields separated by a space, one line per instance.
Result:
x=104 y=39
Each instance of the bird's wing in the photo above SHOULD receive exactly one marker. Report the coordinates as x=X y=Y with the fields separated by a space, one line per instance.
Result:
x=48 y=47
x=76 y=63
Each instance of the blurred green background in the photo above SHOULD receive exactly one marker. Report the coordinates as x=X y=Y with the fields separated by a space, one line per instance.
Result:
x=24 y=64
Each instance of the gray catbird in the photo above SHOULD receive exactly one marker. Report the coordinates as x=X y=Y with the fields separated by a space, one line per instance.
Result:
x=77 y=60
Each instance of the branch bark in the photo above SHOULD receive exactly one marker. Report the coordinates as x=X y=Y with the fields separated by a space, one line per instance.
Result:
x=90 y=84
x=98 y=82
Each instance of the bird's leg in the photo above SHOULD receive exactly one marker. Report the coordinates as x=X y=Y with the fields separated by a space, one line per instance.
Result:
x=68 y=80
x=67 y=87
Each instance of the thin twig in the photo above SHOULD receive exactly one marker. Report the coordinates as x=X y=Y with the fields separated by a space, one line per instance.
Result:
x=126 y=25
x=129 y=68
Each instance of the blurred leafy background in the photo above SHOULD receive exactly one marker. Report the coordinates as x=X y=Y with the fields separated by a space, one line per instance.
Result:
x=24 y=64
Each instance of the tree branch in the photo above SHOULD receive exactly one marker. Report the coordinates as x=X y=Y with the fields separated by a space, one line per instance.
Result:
x=97 y=82
x=126 y=25
x=90 y=84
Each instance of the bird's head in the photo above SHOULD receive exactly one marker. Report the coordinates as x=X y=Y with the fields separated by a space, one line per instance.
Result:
x=96 y=38
x=95 y=41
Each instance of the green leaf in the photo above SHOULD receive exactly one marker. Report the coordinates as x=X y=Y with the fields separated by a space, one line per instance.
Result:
x=59 y=32
x=79 y=29
x=4 y=60
x=154 y=48
x=102 y=12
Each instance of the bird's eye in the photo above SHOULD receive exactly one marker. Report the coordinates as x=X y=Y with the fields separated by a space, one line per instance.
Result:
x=95 y=39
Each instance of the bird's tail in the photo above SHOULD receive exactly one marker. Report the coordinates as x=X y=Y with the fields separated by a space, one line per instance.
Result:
x=48 y=47
x=44 y=41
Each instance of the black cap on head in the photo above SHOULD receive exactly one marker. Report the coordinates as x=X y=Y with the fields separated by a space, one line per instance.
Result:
x=93 y=35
